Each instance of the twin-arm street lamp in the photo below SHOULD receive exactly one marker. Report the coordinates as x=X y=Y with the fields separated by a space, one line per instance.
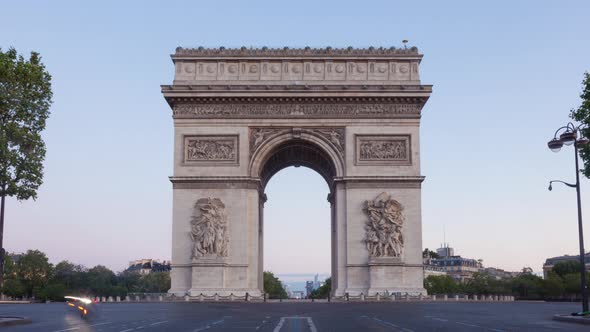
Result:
x=568 y=135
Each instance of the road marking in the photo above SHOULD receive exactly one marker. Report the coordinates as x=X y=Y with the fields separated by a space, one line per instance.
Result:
x=440 y=319
x=158 y=323
x=311 y=325
x=139 y=327
x=209 y=326
x=126 y=330
x=70 y=329
x=385 y=322
x=101 y=324
x=471 y=325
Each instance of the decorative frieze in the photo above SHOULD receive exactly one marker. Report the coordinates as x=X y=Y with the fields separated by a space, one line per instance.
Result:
x=302 y=110
x=382 y=150
x=294 y=70
x=209 y=229
x=383 y=229
x=215 y=149
x=333 y=135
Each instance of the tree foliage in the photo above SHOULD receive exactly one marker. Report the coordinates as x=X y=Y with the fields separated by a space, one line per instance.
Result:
x=582 y=115
x=273 y=286
x=323 y=291
x=566 y=267
x=441 y=285
x=34 y=276
x=25 y=97
x=429 y=253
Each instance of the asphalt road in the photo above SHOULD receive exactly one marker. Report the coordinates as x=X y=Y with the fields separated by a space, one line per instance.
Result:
x=297 y=317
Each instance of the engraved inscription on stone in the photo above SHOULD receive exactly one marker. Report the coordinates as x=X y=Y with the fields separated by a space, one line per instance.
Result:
x=383 y=149
x=383 y=228
x=222 y=149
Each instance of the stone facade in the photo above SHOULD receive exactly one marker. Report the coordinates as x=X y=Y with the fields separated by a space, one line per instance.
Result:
x=242 y=115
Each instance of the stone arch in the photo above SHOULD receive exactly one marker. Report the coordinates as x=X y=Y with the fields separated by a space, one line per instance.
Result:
x=304 y=148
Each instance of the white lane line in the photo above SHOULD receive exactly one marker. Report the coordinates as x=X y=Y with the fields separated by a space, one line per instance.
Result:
x=440 y=319
x=206 y=327
x=495 y=330
x=158 y=323
x=70 y=329
x=385 y=322
x=311 y=325
x=139 y=327
x=126 y=330
x=279 y=325
x=101 y=324
x=466 y=324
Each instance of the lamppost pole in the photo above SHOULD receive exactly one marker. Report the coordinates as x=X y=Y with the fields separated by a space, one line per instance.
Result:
x=570 y=134
x=581 y=234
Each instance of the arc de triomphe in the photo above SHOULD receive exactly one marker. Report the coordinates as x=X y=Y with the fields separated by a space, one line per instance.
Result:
x=242 y=115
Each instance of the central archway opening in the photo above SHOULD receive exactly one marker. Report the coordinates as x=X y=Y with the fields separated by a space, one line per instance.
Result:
x=297 y=218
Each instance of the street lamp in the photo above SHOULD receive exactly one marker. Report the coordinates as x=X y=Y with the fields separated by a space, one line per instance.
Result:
x=570 y=134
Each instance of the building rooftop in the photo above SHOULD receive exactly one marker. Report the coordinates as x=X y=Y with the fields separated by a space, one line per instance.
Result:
x=296 y=52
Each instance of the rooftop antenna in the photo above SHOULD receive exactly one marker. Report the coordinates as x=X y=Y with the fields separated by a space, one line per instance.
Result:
x=405 y=41
x=444 y=237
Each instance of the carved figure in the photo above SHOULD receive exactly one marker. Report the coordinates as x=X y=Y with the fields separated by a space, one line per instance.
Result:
x=383 y=237
x=209 y=229
x=335 y=138
x=203 y=149
x=383 y=150
x=258 y=137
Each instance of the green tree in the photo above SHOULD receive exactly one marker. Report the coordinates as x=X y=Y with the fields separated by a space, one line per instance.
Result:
x=71 y=275
x=54 y=291
x=156 y=282
x=323 y=291
x=566 y=267
x=441 y=285
x=34 y=271
x=131 y=281
x=13 y=288
x=527 y=286
x=428 y=252
x=553 y=285
x=101 y=280
x=582 y=115
x=273 y=286
x=25 y=97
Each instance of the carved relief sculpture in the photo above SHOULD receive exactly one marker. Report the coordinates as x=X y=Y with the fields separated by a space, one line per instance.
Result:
x=384 y=149
x=384 y=237
x=210 y=149
x=209 y=229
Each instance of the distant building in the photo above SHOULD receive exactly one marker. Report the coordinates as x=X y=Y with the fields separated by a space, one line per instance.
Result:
x=550 y=262
x=147 y=266
x=459 y=268
x=310 y=286
x=501 y=274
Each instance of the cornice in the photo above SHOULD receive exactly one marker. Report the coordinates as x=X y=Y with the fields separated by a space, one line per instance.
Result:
x=296 y=52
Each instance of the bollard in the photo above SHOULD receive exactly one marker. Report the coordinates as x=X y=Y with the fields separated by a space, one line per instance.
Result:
x=265 y=297
x=393 y=297
x=407 y=297
x=118 y=299
x=186 y=298
x=201 y=297
x=445 y=297
x=247 y=297
x=378 y=297
x=474 y=297
x=127 y=298
x=420 y=297
x=103 y=299
x=347 y=297
x=216 y=297
x=160 y=298
x=456 y=297
x=362 y=296
x=231 y=297
x=433 y=297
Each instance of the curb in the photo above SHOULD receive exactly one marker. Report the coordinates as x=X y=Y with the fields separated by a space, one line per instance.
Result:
x=11 y=321
x=572 y=319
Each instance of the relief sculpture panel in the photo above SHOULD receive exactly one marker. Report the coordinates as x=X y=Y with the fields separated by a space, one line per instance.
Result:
x=383 y=150
x=211 y=149
x=384 y=237
x=209 y=229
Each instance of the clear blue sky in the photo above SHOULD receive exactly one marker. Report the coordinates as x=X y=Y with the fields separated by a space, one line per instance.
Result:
x=505 y=75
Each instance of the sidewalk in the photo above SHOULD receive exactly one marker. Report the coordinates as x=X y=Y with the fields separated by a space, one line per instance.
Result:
x=573 y=319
